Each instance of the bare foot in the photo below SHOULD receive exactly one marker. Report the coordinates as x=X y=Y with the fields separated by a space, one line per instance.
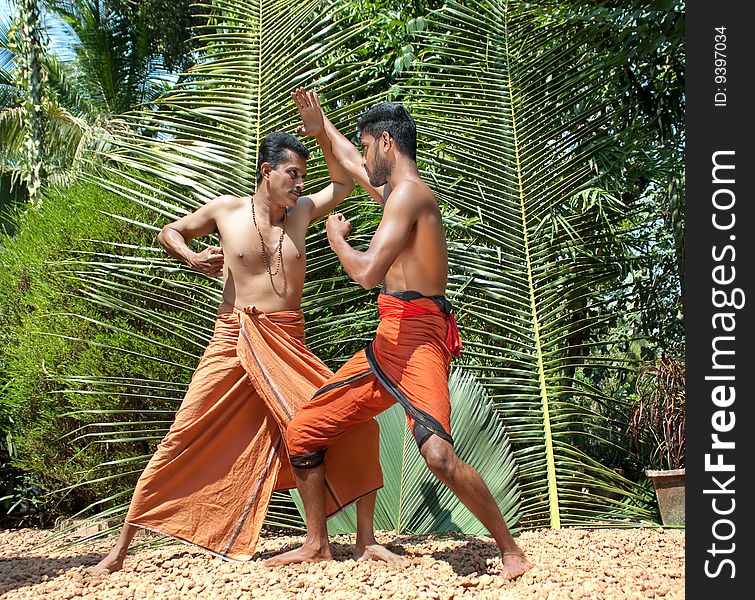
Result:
x=515 y=564
x=377 y=552
x=303 y=554
x=110 y=564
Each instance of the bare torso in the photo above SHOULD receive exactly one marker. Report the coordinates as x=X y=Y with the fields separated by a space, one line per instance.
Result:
x=246 y=281
x=422 y=265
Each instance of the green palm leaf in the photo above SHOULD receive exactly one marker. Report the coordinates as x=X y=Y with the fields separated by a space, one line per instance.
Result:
x=508 y=102
x=512 y=122
x=153 y=303
x=200 y=142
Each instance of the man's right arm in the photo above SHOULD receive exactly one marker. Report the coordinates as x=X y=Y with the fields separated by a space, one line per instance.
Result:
x=174 y=238
x=348 y=155
x=369 y=268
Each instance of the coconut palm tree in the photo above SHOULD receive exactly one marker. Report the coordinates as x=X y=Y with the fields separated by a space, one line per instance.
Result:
x=203 y=143
x=9 y=97
x=29 y=41
x=115 y=66
x=519 y=98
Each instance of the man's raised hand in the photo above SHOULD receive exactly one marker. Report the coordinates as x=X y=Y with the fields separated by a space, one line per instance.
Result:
x=310 y=111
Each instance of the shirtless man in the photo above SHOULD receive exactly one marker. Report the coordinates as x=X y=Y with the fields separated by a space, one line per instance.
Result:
x=203 y=496
x=409 y=359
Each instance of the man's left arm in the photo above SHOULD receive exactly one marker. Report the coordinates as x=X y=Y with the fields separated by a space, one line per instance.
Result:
x=341 y=184
x=368 y=268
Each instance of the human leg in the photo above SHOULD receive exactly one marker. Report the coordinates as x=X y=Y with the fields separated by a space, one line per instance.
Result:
x=311 y=486
x=469 y=487
x=349 y=399
x=185 y=467
x=367 y=547
x=114 y=560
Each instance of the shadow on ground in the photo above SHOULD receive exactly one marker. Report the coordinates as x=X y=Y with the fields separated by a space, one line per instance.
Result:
x=468 y=558
x=465 y=558
x=26 y=571
x=340 y=551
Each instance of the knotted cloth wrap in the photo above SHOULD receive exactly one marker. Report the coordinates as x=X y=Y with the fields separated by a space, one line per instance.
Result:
x=408 y=362
x=402 y=307
x=210 y=481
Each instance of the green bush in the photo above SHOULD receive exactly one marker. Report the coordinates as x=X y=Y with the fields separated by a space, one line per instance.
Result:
x=74 y=345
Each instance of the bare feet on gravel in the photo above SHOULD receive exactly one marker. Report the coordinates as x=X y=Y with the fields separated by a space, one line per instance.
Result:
x=377 y=552
x=111 y=563
x=303 y=554
x=515 y=565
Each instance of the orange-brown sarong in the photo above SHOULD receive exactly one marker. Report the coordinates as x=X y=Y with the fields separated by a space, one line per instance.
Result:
x=211 y=479
x=408 y=362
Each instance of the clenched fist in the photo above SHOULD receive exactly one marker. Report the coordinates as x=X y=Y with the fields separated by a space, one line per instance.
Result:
x=338 y=227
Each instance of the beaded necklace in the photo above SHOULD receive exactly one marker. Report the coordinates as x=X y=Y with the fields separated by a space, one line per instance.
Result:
x=264 y=247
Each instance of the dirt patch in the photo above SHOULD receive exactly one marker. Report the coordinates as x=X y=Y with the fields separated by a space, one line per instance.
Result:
x=569 y=563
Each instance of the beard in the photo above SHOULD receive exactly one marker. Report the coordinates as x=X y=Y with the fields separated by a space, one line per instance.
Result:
x=378 y=175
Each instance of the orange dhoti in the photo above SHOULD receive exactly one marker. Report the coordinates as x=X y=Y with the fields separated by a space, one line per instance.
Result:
x=407 y=362
x=210 y=481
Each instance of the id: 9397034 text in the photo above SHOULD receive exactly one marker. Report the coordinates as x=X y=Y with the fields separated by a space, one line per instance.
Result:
x=719 y=66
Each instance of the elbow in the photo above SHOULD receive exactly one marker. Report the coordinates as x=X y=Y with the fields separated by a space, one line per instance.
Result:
x=161 y=236
x=368 y=279
x=348 y=187
x=342 y=189
x=369 y=284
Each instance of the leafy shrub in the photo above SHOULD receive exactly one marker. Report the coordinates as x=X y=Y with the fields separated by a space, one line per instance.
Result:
x=74 y=346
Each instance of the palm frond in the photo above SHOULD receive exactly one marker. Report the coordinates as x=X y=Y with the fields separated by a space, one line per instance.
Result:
x=512 y=119
x=507 y=99
x=200 y=142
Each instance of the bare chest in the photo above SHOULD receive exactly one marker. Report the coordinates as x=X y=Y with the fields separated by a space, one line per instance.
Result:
x=262 y=247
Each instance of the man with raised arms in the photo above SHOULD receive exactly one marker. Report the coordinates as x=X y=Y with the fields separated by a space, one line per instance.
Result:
x=408 y=361
x=212 y=476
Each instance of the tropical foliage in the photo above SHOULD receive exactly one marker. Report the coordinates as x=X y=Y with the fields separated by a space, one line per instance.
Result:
x=29 y=43
x=221 y=164
x=550 y=135
x=67 y=352
x=123 y=55
x=520 y=94
x=656 y=422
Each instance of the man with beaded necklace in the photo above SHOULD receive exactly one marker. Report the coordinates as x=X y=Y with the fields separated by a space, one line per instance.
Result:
x=212 y=475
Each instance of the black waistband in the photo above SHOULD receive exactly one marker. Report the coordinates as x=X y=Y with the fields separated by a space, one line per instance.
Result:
x=409 y=295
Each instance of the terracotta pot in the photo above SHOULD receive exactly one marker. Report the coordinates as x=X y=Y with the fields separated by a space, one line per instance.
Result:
x=669 y=490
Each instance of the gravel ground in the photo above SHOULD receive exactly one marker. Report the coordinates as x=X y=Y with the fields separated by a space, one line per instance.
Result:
x=569 y=563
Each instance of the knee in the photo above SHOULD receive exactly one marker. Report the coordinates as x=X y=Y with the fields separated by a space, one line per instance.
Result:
x=305 y=448
x=294 y=425
x=296 y=434
x=440 y=459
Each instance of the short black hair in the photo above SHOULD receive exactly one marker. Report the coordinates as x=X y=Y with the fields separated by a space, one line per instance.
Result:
x=274 y=149
x=396 y=120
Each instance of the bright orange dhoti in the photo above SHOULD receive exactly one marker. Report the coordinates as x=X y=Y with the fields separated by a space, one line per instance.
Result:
x=407 y=362
x=210 y=481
